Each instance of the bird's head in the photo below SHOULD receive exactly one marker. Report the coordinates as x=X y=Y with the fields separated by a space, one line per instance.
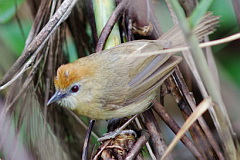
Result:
x=69 y=84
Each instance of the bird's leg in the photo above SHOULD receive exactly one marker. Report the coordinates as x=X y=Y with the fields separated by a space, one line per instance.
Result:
x=119 y=130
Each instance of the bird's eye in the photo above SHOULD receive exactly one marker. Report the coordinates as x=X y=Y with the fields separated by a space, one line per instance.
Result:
x=75 y=88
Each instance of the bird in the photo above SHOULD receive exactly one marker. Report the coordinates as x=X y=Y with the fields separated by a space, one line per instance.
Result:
x=116 y=82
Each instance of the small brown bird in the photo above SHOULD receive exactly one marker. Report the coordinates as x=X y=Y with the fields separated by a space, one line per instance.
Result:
x=116 y=82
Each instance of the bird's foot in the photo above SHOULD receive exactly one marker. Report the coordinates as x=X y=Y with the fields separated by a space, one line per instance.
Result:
x=113 y=134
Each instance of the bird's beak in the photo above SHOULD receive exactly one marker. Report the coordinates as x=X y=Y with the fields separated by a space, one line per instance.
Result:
x=57 y=96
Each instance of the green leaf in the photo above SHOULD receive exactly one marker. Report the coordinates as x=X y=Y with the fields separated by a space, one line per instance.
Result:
x=8 y=9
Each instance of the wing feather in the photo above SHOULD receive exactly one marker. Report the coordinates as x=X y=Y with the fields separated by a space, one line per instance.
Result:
x=146 y=85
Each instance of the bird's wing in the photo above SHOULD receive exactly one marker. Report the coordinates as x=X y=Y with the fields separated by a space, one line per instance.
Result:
x=136 y=77
x=143 y=86
x=146 y=73
x=130 y=70
x=126 y=56
x=126 y=90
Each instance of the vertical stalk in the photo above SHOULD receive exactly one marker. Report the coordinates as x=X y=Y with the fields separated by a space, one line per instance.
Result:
x=103 y=10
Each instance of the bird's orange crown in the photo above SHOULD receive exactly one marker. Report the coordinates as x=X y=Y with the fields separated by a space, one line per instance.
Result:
x=70 y=73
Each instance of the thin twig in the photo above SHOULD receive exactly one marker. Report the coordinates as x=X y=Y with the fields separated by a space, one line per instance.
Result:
x=203 y=106
x=184 y=90
x=25 y=85
x=195 y=131
x=157 y=140
x=129 y=31
x=86 y=141
x=48 y=59
x=201 y=45
x=103 y=147
x=175 y=128
x=24 y=69
x=150 y=151
x=138 y=145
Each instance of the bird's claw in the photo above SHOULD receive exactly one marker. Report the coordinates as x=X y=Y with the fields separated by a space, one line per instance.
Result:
x=113 y=134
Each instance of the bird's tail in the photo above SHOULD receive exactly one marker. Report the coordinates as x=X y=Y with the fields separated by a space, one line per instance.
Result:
x=205 y=27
